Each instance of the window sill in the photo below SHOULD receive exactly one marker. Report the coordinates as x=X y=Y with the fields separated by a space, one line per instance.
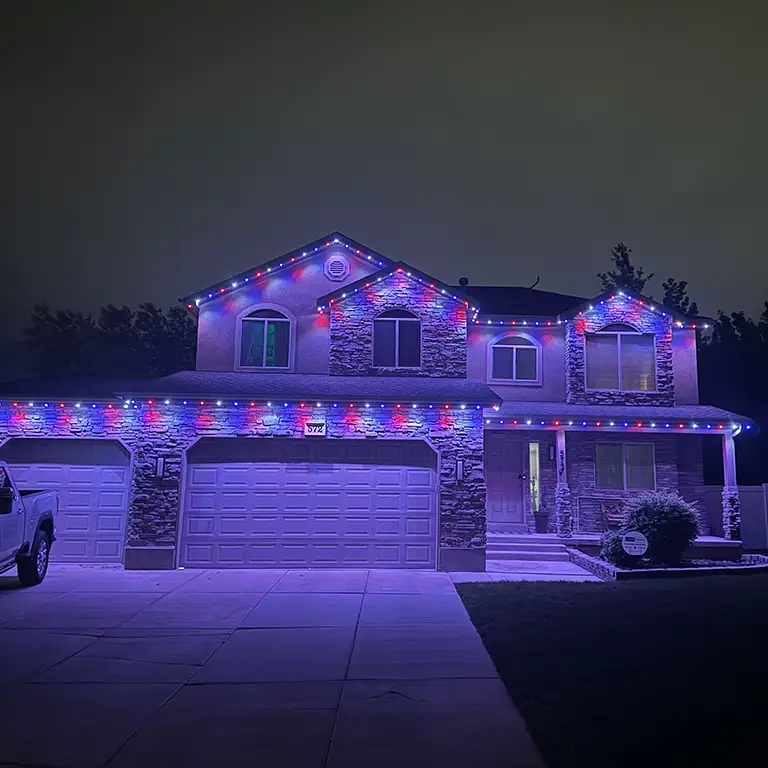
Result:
x=623 y=391
x=396 y=368
x=514 y=383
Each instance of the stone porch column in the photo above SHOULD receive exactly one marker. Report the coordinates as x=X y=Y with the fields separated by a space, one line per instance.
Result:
x=563 y=502
x=731 y=504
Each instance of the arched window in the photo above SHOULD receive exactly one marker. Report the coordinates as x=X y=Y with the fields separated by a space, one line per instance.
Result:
x=619 y=357
x=397 y=340
x=265 y=337
x=515 y=358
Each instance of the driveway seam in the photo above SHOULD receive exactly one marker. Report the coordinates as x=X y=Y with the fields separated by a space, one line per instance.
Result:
x=346 y=671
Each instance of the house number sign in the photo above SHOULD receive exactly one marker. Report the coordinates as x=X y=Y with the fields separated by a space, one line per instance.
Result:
x=314 y=428
x=634 y=543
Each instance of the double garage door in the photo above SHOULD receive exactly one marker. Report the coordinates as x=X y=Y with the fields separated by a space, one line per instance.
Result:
x=92 y=479
x=261 y=502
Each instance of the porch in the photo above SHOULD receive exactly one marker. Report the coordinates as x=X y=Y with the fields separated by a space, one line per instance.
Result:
x=564 y=470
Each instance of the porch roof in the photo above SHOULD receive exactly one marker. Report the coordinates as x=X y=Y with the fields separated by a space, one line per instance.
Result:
x=548 y=411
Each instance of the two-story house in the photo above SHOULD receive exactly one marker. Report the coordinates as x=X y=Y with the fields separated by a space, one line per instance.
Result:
x=348 y=410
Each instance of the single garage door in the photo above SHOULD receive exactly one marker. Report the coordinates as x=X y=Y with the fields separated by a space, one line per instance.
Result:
x=266 y=502
x=92 y=478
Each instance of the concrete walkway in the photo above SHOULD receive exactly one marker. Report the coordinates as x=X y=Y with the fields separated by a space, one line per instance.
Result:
x=527 y=570
x=101 y=666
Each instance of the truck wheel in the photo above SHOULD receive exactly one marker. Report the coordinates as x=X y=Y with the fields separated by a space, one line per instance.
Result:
x=32 y=569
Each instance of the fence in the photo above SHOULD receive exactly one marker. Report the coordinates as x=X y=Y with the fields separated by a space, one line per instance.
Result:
x=754 y=513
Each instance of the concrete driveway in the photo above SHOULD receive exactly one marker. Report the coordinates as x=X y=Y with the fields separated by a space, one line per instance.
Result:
x=100 y=666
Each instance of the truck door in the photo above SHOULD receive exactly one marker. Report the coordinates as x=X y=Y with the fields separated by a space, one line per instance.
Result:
x=11 y=518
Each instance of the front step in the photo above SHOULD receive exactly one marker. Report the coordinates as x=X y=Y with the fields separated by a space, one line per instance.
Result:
x=560 y=556
x=524 y=546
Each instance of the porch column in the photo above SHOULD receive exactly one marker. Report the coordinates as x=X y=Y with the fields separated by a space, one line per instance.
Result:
x=563 y=504
x=731 y=504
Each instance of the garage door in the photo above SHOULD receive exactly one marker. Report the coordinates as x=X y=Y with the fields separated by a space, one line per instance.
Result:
x=265 y=502
x=92 y=478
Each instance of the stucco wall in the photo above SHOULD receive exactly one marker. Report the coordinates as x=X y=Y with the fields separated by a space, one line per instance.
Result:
x=685 y=366
x=642 y=319
x=295 y=289
x=443 y=329
x=552 y=357
x=168 y=430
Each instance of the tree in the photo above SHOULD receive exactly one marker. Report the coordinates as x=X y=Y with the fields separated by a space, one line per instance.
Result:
x=626 y=276
x=123 y=342
x=676 y=297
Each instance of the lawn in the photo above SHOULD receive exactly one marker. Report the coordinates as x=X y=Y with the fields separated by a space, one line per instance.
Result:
x=656 y=673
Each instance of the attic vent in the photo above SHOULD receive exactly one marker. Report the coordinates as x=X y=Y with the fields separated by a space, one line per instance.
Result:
x=336 y=268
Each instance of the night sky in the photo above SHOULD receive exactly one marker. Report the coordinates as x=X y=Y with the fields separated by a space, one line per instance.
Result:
x=152 y=148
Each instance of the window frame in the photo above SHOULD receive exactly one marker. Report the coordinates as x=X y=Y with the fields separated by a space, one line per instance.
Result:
x=623 y=446
x=287 y=317
x=514 y=382
x=396 y=320
x=619 y=334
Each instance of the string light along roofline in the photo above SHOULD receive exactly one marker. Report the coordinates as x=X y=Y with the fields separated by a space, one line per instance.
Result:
x=400 y=268
x=309 y=404
x=268 y=268
x=677 y=319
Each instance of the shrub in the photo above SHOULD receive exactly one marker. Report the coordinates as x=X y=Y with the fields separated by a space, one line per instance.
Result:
x=668 y=522
x=612 y=550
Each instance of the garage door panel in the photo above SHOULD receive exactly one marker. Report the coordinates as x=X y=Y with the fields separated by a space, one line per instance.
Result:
x=321 y=514
x=418 y=556
x=238 y=476
x=199 y=525
x=199 y=501
x=233 y=500
x=233 y=525
x=419 y=478
x=418 y=526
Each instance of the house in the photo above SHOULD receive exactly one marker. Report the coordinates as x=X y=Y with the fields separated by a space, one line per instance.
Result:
x=348 y=410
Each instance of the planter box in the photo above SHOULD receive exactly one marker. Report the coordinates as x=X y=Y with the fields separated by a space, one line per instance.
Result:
x=749 y=564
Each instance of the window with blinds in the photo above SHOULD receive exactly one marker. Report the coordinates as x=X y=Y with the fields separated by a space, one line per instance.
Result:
x=620 y=358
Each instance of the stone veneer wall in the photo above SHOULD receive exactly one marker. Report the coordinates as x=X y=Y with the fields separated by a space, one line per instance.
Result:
x=674 y=470
x=644 y=320
x=443 y=330
x=152 y=431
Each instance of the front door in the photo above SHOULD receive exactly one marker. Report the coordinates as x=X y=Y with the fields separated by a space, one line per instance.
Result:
x=504 y=477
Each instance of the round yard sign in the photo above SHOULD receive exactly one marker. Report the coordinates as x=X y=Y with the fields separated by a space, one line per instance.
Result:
x=634 y=543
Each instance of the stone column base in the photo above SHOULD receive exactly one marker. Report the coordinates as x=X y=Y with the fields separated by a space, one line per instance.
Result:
x=461 y=559
x=149 y=558
x=563 y=511
x=731 y=513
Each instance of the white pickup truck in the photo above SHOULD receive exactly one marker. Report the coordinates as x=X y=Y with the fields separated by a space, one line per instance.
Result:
x=27 y=520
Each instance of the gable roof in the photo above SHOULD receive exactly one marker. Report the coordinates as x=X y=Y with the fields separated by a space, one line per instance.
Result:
x=268 y=268
x=399 y=267
x=518 y=300
x=678 y=318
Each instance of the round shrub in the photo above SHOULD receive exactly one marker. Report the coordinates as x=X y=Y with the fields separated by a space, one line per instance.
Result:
x=668 y=522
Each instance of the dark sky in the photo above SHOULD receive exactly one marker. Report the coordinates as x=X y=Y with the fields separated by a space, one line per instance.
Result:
x=151 y=148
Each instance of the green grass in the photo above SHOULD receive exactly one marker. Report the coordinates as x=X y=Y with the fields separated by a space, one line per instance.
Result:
x=647 y=673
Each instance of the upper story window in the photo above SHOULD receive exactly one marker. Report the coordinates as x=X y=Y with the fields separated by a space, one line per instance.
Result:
x=515 y=358
x=397 y=340
x=265 y=339
x=621 y=358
